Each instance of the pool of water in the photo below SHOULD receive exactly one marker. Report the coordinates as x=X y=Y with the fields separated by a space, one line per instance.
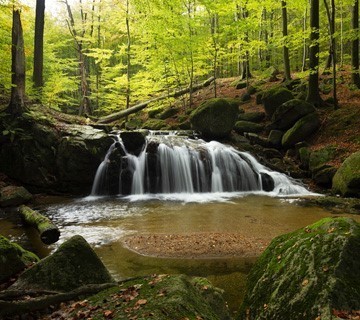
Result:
x=104 y=222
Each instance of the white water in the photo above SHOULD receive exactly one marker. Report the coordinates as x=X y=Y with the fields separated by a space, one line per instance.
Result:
x=187 y=168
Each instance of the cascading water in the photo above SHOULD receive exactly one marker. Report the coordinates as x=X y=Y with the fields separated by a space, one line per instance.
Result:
x=169 y=164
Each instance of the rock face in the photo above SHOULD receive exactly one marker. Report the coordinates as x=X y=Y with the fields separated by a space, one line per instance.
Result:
x=11 y=196
x=73 y=265
x=214 y=118
x=307 y=274
x=13 y=259
x=301 y=130
x=346 y=180
x=56 y=157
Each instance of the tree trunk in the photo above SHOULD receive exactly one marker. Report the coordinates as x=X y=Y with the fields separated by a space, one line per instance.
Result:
x=355 y=45
x=142 y=105
x=39 y=45
x=313 y=95
x=17 y=104
x=285 y=47
x=128 y=54
x=305 y=47
x=49 y=233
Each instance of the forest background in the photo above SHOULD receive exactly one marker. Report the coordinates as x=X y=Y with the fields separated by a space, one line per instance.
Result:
x=103 y=56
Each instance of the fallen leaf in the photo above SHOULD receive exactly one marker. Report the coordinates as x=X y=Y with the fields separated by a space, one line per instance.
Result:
x=305 y=282
x=108 y=313
x=141 y=302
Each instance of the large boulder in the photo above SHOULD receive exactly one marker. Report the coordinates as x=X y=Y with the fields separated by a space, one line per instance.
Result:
x=274 y=97
x=301 y=130
x=134 y=141
x=311 y=273
x=346 y=180
x=252 y=116
x=72 y=265
x=289 y=112
x=12 y=196
x=215 y=118
x=13 y=259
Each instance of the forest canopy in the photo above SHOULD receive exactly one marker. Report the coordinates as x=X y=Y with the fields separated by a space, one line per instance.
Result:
x=103 y=56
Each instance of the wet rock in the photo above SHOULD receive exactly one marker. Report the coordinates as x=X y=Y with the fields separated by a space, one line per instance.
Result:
x=134 y=141
x=346 y=180
x=12 y=196
x=307 y=274
x=13 y=259
x=324 y=176
x=267 y=182
x=72 y=265
x=215 y=118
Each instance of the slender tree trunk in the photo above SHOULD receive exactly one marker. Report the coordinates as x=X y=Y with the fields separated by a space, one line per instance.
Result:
x=17 y=103
x=285 y=47
x=39 y=45
x=246 y=74
x=128 y=54
x=305 y=47
x=313 y=95
x=355 y=45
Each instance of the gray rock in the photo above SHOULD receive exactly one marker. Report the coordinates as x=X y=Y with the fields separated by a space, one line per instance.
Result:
x=12 y=196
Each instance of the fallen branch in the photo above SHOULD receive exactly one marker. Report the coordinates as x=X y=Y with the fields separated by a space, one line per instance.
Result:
x=49 y=233
x=142 y=105
x=23 y=306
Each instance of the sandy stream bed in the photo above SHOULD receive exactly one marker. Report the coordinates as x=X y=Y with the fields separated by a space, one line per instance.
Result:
x=195 y=245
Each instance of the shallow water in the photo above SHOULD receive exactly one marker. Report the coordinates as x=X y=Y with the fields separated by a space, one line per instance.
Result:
x=103 y=222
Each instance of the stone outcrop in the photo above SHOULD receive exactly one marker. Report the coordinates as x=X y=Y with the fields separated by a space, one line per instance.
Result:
x=307 y=274
x=13 y=259
x=74 y=264
x=346 y=180
x=12 y=196
x=215 y=118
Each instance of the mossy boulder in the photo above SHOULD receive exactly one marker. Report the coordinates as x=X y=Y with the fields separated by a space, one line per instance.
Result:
x=72 y=265
x=275 y=137
x=167 y=113
x=301 y=130
x=307 y=274
x=12 y=196
x=215 y=118
x=346 y=180
x=319 y=158
x=160 y=297
x=247 y=126
x=289 y=112
x=324 y=176
x=252 y=116
x=13 y=259
x=274 y=97
x=155 y=124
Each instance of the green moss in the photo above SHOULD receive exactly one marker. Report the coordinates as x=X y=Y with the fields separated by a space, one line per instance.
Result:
x=300 y=275
x=156 y=297
x=319 y=158
x=155 y=124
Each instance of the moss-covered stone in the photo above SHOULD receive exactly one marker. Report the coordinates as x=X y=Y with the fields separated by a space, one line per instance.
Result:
x=275 y=137
x=320 y=157
x=247 y=126
x=155 y=124
x=289 y=112
x=215 y=118
x=13 y=259
x=301 y=130
x=346 y=180
x=74 y=264
x=11 y=196
x=252 y=116
x=307 y=274
x=274 y=97
x=160 y=297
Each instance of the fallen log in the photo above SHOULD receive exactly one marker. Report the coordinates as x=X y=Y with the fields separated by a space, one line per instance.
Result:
x=123 y=113
x=49 y=233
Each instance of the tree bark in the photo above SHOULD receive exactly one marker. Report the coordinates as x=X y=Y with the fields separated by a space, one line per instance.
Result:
x=142 y=105
x=313 y=95
x=39 y=45
x=17 y=103
x=355 y=45
x=285 y=47
x=49 y=233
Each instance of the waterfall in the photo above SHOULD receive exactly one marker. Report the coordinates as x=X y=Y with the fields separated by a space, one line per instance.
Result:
x=171 y=164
